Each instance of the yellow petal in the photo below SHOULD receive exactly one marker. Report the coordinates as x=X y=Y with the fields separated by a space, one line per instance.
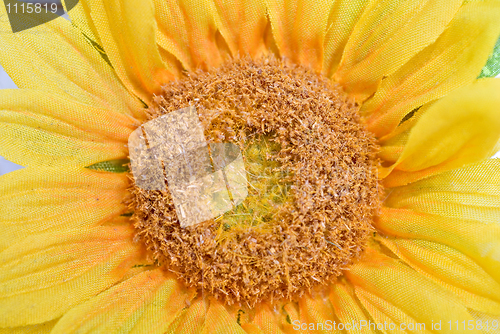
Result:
x=242 y=24
x=390 y=154
x=218 y=320
x=388 y=315
x=463 y=199
x=316 y=309
x=389 y=34
x=451 y=269
x=38 y=139
x=55 y=57
x=44 y=328
x=188 y=30
x=59 y=114
x=265 y=320
x=127 y=30
x=417 y=296
x=145 y=303
x=454 y=61
x=347 y=308
x=252 y=329
x=392 y=145
x=290 y=314
x=460 y=129
x=343 y=16
x=299 y=29
x=471 y=192
x=28 y=146
x=45 y=275
x=40 y=200
x=191 y=320
x=80 y=17
x=475 y=239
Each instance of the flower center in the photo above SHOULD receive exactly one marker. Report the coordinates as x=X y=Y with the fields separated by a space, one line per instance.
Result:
x=312 y=186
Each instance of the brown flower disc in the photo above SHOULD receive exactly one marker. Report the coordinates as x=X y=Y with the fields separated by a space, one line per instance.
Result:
x=312 y=181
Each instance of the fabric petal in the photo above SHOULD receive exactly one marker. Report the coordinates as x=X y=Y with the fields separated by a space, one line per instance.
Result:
x=37 y=138
x=475 y=239
x=393 y=144
x=127 y=30
x=343 y=17
x=218 y=320
x=80 y=17
x=188 y=30
x=317 y=309
x=242 y=24
x=392 y=281
x=45 y=275
x=145 y=303
x=454 y=61
x=44 y=328
x=59 y=114
x=388 y=315
x=28 y=146
x=198 y=318
x=252 y=329
x=460 y=129
x=389 y=34
x=471 y=192
x=191 y=320
x=299 y=29
x=451 y=269
x=290 y=313
x=265 y=321
x=34 y=201
x=464 y=200
x=347 y=307
x=32 y=58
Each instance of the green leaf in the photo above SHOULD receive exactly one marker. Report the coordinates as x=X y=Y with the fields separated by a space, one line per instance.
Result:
x=113 y=166
x=492 y=68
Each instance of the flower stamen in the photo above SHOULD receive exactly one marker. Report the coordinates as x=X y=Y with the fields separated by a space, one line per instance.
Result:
x=312 y=186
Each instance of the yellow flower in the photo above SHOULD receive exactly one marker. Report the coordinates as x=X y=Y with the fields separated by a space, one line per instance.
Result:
x=68 y=260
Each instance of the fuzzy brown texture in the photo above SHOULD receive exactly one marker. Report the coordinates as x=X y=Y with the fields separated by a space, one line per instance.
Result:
x=328 y=165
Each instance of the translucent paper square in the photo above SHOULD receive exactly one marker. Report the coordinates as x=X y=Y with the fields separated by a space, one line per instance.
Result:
x=145 y=166
x=204 y=180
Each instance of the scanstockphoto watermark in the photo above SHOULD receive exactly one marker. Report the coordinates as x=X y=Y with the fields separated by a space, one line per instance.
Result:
x=356 y=325
x=462 y=326
x=27 y=14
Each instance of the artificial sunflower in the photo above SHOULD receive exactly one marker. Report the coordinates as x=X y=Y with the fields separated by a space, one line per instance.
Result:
x=371 y=205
